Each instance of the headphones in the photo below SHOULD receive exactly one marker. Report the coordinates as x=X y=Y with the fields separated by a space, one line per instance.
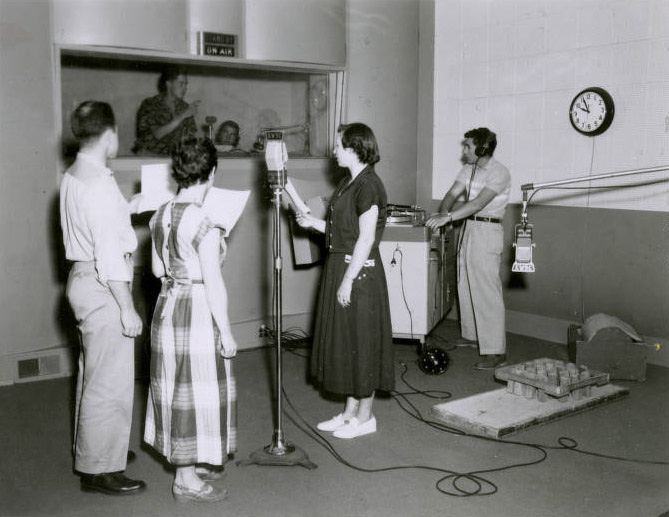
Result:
x=488 y=141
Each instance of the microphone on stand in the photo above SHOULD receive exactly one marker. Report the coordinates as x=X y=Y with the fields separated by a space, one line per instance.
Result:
x=210 y=120
x=523 y=242
x=276 y=158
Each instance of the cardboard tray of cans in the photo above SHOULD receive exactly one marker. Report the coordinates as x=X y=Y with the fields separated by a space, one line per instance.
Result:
x=552 y=376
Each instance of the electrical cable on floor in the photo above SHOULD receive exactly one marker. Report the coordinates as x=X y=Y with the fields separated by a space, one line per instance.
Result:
x=461 y=484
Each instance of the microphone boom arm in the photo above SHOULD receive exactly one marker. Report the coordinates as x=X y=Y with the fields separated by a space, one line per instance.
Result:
x=524 y=229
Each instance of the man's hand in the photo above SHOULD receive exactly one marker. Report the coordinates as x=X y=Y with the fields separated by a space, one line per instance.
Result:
x=191 y=111
x=437 y=221
x=132 y=323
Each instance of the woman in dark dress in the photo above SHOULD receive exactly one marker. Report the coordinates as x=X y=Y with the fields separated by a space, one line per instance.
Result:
x=352 y=351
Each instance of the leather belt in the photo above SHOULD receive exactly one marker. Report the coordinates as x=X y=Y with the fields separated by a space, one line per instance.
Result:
x=485 y=219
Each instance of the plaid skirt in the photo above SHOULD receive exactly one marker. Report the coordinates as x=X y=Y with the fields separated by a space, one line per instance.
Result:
x=191 y=412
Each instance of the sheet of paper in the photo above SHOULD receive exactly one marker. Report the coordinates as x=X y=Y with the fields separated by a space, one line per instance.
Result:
x=300 y=205
x=158 y=187
x=224 y=206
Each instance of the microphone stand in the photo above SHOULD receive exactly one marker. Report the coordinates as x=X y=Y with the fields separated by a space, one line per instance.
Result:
x=280 y=452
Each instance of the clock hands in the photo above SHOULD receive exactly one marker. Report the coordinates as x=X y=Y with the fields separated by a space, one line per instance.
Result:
x=587 y=108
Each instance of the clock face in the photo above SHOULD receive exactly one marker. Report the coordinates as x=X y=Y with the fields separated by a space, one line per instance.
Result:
x=591 y=111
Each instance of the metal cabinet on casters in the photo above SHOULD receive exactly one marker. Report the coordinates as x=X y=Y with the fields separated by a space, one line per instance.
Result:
x=420 y=278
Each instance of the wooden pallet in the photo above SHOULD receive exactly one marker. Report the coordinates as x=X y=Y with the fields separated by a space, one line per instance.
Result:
x=497 y=413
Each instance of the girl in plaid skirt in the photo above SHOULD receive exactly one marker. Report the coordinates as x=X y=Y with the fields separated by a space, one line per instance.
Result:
x=191 y=411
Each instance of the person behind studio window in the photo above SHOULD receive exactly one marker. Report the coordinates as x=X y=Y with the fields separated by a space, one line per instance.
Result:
x=165 y=119
x=227 y=139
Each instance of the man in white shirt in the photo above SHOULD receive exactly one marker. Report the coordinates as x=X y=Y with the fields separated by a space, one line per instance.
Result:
x=99 y=240
x=485 y=184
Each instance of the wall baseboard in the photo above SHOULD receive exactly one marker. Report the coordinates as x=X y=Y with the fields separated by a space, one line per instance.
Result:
x=55 y=362
x=39 y=365
x=61 y=361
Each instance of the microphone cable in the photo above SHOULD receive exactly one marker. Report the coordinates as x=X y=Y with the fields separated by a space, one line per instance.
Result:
x=452 y=483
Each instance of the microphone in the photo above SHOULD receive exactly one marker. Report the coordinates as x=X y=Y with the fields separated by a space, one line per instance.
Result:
x=210 y=120
x=276 y=158
x=523 y=244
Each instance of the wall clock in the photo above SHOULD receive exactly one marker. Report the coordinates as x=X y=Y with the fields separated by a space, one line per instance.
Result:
x=591 y=111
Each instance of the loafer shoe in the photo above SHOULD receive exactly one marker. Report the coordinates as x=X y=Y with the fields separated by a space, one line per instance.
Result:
x=111 y=483
x=205 y=494
x=333 y=424
x=492 y=362
x=354 y=428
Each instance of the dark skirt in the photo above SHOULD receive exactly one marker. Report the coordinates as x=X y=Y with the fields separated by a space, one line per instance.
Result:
x=353 y=349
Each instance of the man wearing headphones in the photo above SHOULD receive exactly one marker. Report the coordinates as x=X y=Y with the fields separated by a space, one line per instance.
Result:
x=485 y=185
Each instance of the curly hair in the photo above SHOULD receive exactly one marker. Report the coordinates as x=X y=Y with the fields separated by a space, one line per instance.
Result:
x=193 y=159
x=484 y=140
x=361 y=139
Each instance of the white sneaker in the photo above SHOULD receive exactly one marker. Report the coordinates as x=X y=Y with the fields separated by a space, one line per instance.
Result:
x=354 y=428
x=333 y=424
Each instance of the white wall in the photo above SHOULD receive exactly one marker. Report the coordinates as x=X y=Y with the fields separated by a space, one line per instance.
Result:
x=310 y=31
x=515 y=65
x=29 y=270
x=383 y=86
x=147 y=24
x=223 y=16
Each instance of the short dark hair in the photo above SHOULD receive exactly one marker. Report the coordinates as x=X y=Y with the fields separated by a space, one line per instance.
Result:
x=361 y=139
x=193 y=159
x=227 y=123
x=484 y=140
x=169 y=74
x=91 y=119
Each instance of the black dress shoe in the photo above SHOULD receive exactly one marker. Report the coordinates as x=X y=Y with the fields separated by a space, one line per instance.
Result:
x=111 y=483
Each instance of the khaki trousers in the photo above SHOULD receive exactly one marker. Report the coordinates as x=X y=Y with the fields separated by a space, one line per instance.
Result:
x=105 y=383
x=482 y=314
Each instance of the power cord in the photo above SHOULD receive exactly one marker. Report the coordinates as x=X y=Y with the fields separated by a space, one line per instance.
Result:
x=460 y=484
x=398 y=250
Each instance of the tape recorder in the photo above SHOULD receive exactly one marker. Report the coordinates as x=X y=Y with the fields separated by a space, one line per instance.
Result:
x=405 y=215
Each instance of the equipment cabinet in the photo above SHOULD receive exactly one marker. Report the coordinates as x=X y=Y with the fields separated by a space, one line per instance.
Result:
x=420 y=273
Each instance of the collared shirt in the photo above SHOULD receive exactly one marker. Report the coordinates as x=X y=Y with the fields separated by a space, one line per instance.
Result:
x=95 y=218
x=348 y=203
x=154 y=113
x=494 y=176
